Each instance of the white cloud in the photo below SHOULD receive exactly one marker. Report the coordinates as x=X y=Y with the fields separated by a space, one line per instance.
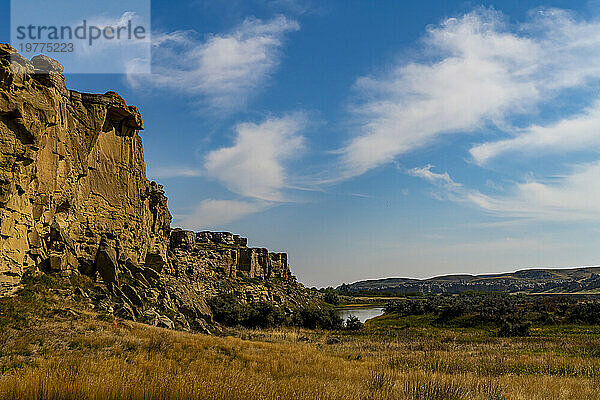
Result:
x=225 y=69
x=173 y=172
x=433 y=177
x=254 y=166
x=572 y=197
x=211 y=213
x=580 y=132
x=449 y=189
x=483 y=73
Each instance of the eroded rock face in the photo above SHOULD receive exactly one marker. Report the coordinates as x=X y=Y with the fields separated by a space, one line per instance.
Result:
x=229 y=254
x=74 y=198
x=71 y=170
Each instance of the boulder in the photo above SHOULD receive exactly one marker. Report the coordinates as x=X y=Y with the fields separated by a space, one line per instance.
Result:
x=182 y=238
x=181 y=322
x=80 y=292
x=56 y=262
x=155 y=261
x=125 y=311
x=150 y=317
x=151 y=276
x=106 y=263
x=165 y=322
x=132 y=295
x=200 y=325
x=35 y=242
x=43 y=63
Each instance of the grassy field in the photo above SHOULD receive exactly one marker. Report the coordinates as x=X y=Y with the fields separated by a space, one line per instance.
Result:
x=52 y=349
x=75 y=357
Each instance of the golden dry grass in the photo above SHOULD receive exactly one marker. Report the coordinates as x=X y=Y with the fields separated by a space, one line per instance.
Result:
x=89 y=359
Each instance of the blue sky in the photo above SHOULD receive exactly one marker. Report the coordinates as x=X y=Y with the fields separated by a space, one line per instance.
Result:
x=374 y=139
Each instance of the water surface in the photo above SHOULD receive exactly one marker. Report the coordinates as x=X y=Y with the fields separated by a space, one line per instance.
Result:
x=362 y=313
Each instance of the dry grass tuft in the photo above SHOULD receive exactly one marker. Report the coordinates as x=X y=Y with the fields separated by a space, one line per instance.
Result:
x=380 y=379
x=437 y=387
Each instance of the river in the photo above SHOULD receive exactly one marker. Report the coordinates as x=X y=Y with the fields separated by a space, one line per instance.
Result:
x=362 y=313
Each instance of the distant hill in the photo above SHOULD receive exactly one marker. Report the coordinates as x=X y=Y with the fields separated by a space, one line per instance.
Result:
x=567 y=280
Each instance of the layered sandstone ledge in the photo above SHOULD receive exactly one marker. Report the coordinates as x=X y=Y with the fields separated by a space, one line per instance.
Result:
x=74 y=198
x=231 y=254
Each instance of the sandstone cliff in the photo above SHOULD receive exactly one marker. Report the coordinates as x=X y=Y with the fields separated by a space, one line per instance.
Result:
x=72 y=172
x=74 y=198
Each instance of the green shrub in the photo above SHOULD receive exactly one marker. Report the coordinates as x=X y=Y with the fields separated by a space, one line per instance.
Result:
x=39 y=281
x=264 y=315
x=353 y=323
x=229 y=311
x=331 y=296
x=514 y=328
x=314 y=316
x=450 y=311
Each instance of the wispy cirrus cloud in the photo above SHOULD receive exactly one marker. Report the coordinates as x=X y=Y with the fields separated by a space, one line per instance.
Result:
x=579 y=132
x=222 y=71
x=484 y=71
x=173 y=172
x=210 y=213
x=434 y=177
x=570 y=197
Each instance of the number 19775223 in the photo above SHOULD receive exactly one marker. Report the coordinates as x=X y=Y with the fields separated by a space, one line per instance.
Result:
x=50 y=47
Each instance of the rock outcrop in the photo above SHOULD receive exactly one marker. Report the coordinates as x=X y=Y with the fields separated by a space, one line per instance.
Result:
x=74 y=198
x=229 y=254
x=72 y=172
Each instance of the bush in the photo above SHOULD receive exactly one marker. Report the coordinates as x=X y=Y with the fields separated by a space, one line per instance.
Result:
x=331 y=296
x=353 y=323
x=449 y=312
x=514 y=328
x=511 y=313
x=39 y=281
x=587 y=313
x=264 y=315
x=408 y=307
x=229 y=311
x=313 y=317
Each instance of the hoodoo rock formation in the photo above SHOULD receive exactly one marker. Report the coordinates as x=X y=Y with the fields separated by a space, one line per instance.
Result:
x=74 y=198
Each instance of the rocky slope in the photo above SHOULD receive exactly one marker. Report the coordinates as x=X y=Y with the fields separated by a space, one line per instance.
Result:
x=571 y=280
x=74 y=199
